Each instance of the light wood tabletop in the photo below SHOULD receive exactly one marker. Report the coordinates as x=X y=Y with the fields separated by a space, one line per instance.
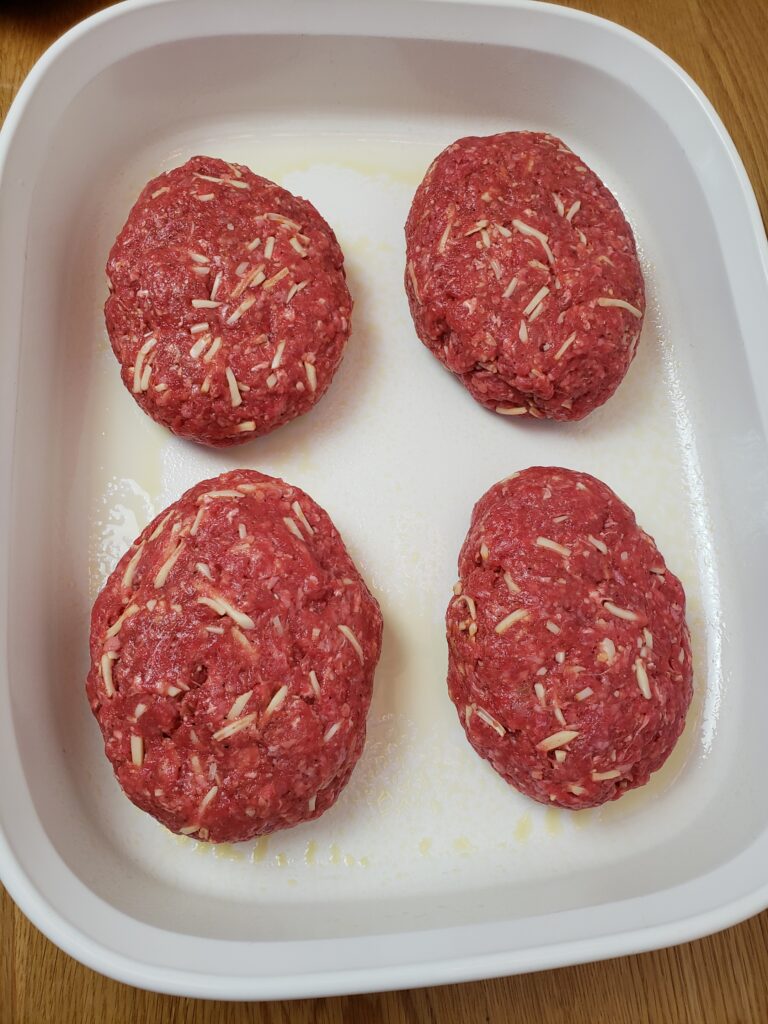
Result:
x=723 y=978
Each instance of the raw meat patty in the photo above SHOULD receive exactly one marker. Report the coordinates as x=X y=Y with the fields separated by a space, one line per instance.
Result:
x=229 y=311
x=569 y=655
x=232 y=658
x=522 y=275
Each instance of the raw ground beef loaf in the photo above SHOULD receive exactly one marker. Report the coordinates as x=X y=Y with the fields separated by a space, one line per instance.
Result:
x=569 y=655
x=232 y=658
x=228 y=308
x=522 y=275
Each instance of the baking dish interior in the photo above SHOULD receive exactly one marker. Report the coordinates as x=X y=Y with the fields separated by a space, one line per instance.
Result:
x=695 y=476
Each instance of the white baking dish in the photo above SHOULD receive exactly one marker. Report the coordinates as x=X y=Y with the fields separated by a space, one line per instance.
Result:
x=429 y=869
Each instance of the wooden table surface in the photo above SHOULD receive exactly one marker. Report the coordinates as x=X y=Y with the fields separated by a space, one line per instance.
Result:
x=724 y=978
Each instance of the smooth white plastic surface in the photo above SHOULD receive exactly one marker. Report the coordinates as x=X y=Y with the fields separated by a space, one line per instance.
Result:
x=429 y=868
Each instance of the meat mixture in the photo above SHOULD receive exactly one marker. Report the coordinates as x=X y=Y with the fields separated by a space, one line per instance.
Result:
x=569 y=654
x=228 y=308
x=232 y=659
x=522 y=275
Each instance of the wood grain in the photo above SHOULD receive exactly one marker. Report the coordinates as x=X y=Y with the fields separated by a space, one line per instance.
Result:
x=719 y=980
